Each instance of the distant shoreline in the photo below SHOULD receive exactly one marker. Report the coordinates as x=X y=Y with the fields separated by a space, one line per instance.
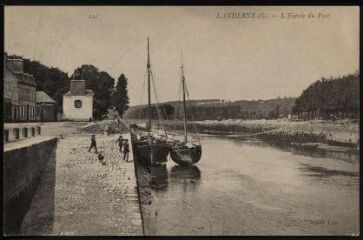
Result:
x=336 y=133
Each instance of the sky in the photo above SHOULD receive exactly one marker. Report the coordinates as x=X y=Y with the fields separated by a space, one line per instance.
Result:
x=225 y=58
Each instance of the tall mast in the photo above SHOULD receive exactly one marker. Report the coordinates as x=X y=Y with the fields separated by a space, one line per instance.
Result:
x=184 y=105
x=148 y=81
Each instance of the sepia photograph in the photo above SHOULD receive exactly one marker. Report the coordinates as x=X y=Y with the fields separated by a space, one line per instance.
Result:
x=181 y=121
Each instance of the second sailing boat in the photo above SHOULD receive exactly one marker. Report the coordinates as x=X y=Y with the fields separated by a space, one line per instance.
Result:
x=148 y=148
x=185 y=152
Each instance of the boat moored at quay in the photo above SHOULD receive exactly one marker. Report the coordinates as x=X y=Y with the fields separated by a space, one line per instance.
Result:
x=149 y=147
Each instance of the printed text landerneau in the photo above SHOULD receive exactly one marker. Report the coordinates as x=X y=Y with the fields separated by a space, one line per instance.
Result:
x=245 y=15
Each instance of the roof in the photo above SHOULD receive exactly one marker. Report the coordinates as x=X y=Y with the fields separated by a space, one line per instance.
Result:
x=42 y=97
x=88 y=92
x=26 y=78
x=18 y=70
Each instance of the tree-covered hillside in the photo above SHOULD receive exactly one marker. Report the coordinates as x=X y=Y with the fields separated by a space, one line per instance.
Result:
x=330 y=98
x=219 y=109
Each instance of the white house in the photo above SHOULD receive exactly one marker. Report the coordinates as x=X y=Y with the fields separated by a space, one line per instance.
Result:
x=78 y=102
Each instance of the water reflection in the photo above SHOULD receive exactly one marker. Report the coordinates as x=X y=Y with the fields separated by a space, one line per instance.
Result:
x=331 y=176
x=159 y=177
x=248 y=186
x=187 y=176
x=191 y=172
x=326 y=173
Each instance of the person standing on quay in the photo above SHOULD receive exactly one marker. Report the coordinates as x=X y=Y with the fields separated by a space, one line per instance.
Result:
x=126 y=150
x=93 y=144
x=120 y=142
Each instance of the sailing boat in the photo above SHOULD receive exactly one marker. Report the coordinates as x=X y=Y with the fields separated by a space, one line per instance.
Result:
x=185 y=152
x=148 y=147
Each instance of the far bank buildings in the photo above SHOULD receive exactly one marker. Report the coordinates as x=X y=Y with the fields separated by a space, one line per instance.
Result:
x=22 y=102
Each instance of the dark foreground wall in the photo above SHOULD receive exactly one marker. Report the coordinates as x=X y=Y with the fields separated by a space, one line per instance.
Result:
x=24 y=165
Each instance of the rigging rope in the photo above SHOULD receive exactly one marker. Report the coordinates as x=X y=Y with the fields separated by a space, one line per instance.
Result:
x=156 y=98
x=191 y=112
x=157 y=101
x=177 y=114
x=141 y=95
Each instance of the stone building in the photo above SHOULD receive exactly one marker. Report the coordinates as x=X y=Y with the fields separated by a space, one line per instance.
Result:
x=19 y=91
x=78 y=102
x=46 y=107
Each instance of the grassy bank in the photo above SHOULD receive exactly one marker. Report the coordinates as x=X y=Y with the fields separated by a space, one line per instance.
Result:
x=344 y=132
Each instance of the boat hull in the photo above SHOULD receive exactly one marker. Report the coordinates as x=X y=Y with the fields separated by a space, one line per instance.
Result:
x=185 y=155
x=154 y=154
x=148 y=153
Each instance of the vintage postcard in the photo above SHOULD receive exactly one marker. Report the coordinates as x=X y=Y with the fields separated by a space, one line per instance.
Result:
x=181 y=120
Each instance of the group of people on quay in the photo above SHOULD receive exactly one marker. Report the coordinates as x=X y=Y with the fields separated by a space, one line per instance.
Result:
x=124 y=147
x=123 y=144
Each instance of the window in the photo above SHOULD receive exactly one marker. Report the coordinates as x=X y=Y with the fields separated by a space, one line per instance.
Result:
x=25 y=132
x=78 y=104
x=16 y=133
x=15 y=113
x=6 y=132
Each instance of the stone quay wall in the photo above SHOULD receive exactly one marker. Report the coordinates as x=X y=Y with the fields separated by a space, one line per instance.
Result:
x=24 y=163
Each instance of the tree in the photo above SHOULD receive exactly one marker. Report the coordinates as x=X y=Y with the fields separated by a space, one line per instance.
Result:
x=167 y=111
x=101 y=84
x=327 y=97
x=52 y=81
x=277 y=111
x=120 y=98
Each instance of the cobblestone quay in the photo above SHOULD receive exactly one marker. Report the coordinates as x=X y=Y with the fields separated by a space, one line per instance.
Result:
x=80 y=195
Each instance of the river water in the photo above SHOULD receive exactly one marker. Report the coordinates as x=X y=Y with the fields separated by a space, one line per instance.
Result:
x=246 y=187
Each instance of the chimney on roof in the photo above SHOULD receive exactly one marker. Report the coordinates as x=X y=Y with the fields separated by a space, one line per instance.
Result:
x=15 y=65
x=78 y=87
